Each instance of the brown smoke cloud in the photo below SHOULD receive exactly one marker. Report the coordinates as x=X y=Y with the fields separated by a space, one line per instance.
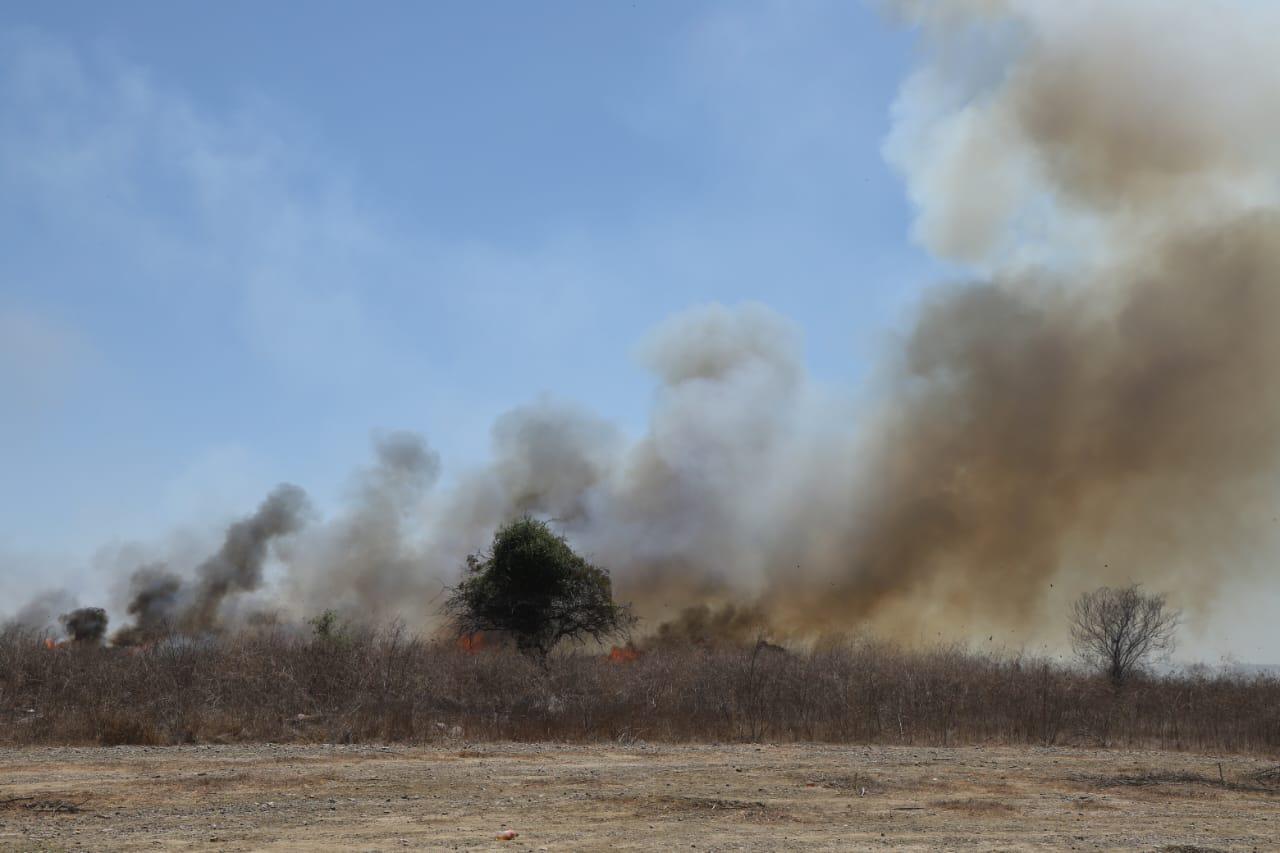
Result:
x=1100 y=407
x=702 y=625
x=1095 y=406
x=1042 y=429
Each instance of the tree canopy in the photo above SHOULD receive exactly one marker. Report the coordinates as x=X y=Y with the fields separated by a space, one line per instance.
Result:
x=534 y=588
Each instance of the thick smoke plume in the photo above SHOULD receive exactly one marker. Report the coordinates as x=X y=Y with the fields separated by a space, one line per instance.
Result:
x=162 y=601
x=1096 y=405
x=371 y=562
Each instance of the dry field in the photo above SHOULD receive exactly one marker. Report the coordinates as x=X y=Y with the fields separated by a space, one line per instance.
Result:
x=572 y=797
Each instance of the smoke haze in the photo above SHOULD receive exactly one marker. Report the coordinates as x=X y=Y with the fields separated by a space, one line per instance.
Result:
x=1095 y=406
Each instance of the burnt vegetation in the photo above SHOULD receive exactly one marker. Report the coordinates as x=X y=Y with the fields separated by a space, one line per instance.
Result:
x=345 y=683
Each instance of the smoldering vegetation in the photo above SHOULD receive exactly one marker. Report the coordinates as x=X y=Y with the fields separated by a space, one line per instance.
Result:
x=344 y=685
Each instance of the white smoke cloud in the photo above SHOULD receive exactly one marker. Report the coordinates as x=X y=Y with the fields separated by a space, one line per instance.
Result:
x=1032 y=115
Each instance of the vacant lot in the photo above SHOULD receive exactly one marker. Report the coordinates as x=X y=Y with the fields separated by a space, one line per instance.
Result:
x=640 y=796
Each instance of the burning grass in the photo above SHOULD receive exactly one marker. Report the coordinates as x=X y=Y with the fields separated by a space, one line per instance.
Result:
x=279 y=684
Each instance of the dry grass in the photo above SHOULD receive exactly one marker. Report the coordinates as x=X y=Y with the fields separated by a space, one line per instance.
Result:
x=750 y=810
x=279 y=684
x=974 y=806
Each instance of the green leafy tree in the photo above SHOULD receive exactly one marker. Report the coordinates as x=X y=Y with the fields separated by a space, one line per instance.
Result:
x=328 y=627
x=532 y=587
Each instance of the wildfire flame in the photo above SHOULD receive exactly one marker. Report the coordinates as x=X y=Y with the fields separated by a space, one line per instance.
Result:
x=472 y=643
x=623 y=654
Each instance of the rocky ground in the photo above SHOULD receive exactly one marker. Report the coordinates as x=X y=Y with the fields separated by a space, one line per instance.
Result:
x=643 y=796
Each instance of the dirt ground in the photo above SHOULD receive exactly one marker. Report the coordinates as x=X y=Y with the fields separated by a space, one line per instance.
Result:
x=644 y=796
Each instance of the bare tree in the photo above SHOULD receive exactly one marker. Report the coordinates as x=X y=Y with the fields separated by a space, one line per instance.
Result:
x=1118 y=630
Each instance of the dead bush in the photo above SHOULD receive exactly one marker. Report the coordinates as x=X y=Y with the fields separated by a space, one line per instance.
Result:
x=282 y=684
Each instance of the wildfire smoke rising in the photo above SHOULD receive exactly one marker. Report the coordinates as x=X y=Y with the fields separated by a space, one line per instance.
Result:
x=1096 y=406
x=162 y=601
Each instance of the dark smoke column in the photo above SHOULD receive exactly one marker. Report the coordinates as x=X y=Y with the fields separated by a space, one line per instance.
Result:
x=162 y=602
x=237 y=567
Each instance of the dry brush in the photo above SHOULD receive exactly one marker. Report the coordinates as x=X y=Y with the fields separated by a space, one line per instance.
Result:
x=361 y=685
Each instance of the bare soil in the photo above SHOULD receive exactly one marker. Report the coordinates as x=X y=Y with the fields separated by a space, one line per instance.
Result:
x=641 y=796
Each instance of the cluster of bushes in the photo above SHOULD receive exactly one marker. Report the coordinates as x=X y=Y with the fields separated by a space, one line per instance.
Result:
x=353 y=685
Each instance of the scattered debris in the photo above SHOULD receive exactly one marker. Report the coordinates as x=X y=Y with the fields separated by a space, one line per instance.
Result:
x=1270 y=776
x=12 y=800
x=51 y=806
x=974 y=806
x=1180 y=778
x=857 y=783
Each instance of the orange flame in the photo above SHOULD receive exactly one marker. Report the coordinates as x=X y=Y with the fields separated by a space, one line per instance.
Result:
x=472 y=643
x=49 y=643
x=623 y=654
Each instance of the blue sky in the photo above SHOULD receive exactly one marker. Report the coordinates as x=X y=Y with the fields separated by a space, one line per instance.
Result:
x=239 y=238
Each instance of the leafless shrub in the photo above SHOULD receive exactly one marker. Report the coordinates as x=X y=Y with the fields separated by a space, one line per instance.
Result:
x=283 y=683
x=1117 y=631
